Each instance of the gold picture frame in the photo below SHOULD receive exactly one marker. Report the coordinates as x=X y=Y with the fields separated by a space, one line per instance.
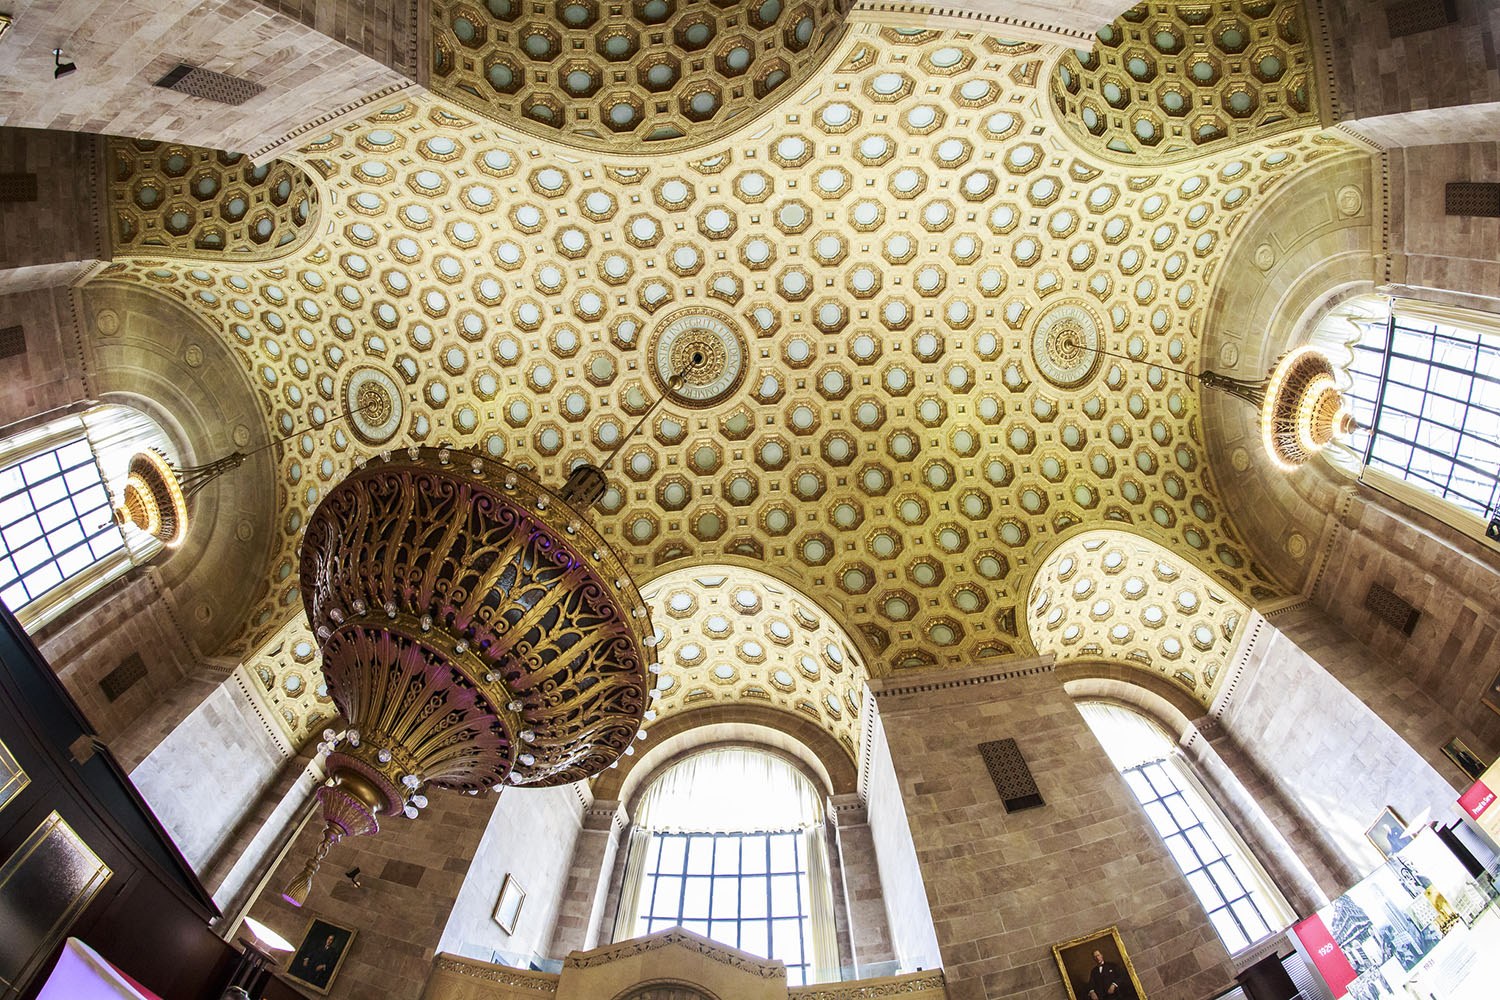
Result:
x=1466 y=760
x=5 y=23
x=508 y=906
x=1388 y=833
x=320 y=955
x=1076 y=963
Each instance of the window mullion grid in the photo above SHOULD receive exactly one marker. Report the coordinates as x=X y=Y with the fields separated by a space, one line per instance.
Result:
x=1203 y=865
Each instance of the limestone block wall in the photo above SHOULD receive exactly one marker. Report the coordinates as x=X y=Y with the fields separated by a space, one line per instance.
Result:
x=49 y=373
x=121 y=49
x=388 y=31
x=1340 y=734
x=1385 y=78
x=410 y=873
x=858 y=864
x=1453 y=655
x=129 y=617
x=1004 y=887
x=531 y=835
x=914 y=940
x=62 y=224
x=1433 y=254
x=210 y=770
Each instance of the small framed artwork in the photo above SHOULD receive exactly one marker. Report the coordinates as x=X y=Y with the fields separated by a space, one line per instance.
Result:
x=1468 y=762
x=508 y=908
x=1388 y=834
x=321 y=954
x=1095 y=967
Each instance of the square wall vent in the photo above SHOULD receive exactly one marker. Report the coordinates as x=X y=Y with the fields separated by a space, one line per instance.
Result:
x=1392 y=610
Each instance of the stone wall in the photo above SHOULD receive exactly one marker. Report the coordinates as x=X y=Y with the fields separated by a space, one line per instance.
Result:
x=49 y=374
x=1004 y=887
x=410 y=873
x=129 y=617
x=212 y=768
x=1433 y=254
x=1453 y=655
x=1325 y=721
x=121 y=49
x=63 y=223
x=1415 y=88
x=530 y=836
x=857 y=863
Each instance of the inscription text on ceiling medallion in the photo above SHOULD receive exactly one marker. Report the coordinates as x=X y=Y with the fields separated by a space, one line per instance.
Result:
x=703 y=346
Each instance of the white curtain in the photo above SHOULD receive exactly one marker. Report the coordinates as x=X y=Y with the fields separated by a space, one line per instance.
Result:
x=825 y=961
x=1128 y=737
x=730 y=791
x=627 y=914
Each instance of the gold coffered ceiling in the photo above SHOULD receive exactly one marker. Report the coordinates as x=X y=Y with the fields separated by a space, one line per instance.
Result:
x=896 y=244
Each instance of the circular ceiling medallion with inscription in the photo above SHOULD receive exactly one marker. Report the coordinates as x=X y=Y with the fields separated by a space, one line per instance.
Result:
x=697 y=357
x=1065 y=345
x=374 y=403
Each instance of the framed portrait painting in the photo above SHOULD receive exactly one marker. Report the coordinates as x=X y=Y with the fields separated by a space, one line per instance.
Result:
x=508 y=906
x=1388 y=834
x=1095 y=967
x=321 y=954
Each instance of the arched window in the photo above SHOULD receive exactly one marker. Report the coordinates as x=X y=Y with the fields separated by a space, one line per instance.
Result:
x=58 y=538
x=1424 y=384
x=729 y=844
x=1241 y=901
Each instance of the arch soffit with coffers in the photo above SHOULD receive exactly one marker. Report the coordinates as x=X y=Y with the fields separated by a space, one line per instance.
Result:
x=1312 y=243
x=666 y=989
x=1100 y=680
x=815 y=751
x=141 y=346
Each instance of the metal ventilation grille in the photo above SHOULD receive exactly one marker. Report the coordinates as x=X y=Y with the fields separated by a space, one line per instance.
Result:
x=1392 y=610
x=211 y=86
x=123 y=677
x=1416 y=16
x=1472 y=198
x=1010 y=774
x=17 y=187
x=12 y=341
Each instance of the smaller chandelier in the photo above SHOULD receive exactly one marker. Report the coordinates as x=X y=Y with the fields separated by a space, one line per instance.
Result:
x=156 y=494
x=1299 y=403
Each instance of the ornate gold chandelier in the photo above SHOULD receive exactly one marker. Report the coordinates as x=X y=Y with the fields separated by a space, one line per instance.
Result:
x=476 y=633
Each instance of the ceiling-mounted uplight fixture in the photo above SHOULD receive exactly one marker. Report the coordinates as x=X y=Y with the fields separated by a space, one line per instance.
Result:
x=157 y=494
x=1299 y=403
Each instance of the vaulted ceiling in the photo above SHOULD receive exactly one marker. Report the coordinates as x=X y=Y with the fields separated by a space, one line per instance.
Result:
x=888 y=262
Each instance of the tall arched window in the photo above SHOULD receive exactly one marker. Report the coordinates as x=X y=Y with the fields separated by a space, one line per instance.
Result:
x=729 y=844
x=58 y=538
x=1424 y=383
x=1241 y=901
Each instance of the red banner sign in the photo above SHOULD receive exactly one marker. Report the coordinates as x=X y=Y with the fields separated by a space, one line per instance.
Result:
x=1330 y=961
